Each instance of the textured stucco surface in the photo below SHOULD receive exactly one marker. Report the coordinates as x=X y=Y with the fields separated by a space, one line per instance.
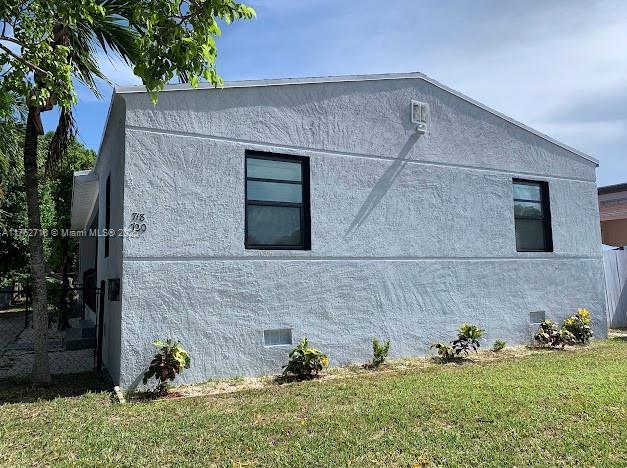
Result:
x=370 y=117
x=111 y=162
x=219 y=309
x=411 y=236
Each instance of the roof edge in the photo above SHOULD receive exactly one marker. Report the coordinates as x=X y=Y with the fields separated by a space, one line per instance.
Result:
x=612 y=189
x=352 y=78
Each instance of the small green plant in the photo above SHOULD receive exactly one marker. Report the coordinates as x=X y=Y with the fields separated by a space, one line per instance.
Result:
x=379 y=352
x=579 y=326
x=468 y=338
x=170 y=360
x=498 y=345
x=445 y=351
x=305 y=362
x=551 y=336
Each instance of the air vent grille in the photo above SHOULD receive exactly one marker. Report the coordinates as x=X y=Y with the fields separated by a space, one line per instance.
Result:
x=277 y=337
x=537 y=316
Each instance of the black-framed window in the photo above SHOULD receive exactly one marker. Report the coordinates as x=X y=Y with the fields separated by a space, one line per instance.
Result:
x=532 y=214
x=277 y=201
x=107 y=215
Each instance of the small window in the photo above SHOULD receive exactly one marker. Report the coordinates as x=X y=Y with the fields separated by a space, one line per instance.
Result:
x=107 y=215
x=532 y=215
x=277 y=202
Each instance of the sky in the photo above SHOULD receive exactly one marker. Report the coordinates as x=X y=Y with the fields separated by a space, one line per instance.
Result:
x=559 y=66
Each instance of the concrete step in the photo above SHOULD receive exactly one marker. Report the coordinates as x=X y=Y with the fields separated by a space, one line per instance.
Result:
x=80 y=343
x=80 y=332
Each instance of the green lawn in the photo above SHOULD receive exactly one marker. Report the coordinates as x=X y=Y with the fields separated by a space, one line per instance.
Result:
x=554 y=408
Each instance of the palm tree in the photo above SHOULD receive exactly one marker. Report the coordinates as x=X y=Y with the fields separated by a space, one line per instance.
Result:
x=109 y=35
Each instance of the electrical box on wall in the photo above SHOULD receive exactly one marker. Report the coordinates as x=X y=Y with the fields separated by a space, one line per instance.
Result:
x=113 y=289
x=419 y=115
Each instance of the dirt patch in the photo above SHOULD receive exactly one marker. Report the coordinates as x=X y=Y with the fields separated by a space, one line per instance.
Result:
x=240 y=384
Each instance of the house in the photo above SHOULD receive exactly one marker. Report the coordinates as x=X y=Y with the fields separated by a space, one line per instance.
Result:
x=613 y=212
x=340 y=209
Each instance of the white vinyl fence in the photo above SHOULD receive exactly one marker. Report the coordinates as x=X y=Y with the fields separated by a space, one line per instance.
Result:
x=615 y=264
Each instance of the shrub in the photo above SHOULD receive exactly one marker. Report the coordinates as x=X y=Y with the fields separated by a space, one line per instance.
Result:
x=445 y=351
x=467 y=339
x=305 y=362
x=379 y=352
x=170 y=360
x=498 y=345
x=579 y=326
x=550 y=335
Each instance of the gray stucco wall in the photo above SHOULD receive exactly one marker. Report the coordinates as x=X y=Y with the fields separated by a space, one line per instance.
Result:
x=411 y=236
x=111 y=163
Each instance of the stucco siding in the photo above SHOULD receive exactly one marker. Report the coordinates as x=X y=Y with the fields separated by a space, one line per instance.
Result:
x=192 y=194
x=410 y=235
x=369 y=118
x=219 y=309
x=111 y=164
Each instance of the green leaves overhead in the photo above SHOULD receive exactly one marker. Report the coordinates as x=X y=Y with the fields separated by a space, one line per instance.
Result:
x=44 y=44
x=178 y=39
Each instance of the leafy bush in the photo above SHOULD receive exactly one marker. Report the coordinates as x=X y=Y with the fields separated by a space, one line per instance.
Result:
x=579 y=326
x=550 y=335
x=467 y=339
x=379 y=352
x=305 y=362
x=498 y=345
x=445 y=351
x=170 y=360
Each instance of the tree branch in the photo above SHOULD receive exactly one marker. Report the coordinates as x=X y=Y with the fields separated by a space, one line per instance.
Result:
x=24 y=61
x=10 y=39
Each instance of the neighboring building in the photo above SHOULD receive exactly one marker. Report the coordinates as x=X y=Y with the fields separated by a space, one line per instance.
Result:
x=340 y=209
x=613 y=211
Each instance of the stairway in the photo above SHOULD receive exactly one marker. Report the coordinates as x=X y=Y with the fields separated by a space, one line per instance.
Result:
x=81 y=337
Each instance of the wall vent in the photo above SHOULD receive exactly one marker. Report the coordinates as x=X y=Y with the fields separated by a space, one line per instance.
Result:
x=277 y=337
x=537 y=316
x=419 y=115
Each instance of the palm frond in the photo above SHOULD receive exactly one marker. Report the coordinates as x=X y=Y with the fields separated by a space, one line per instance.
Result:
x=61 y=140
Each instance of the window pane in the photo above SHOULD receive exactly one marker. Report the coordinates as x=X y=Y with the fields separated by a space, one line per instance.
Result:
x=530 y=234
x=527 y=192
x=269 y=169
x=274 y=191
x=274 y=225
x=528 y=209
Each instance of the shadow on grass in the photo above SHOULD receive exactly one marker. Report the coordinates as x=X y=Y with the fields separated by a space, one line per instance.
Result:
x=285 y=379
x=69 y=385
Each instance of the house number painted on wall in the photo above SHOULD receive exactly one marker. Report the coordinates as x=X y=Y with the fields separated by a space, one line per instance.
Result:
x=137 y=222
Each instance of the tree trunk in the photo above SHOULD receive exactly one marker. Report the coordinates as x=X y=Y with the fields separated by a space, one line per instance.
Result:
x=41 y=371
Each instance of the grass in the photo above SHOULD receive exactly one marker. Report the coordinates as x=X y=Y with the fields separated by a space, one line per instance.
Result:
x=552 y=408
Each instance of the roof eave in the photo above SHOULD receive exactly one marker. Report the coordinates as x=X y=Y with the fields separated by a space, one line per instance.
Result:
x=84 y=196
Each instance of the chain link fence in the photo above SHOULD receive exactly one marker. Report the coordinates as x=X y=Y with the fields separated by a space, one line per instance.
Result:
x=72 y=325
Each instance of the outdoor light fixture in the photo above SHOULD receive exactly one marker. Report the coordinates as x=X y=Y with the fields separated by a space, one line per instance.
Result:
x=419 y=115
